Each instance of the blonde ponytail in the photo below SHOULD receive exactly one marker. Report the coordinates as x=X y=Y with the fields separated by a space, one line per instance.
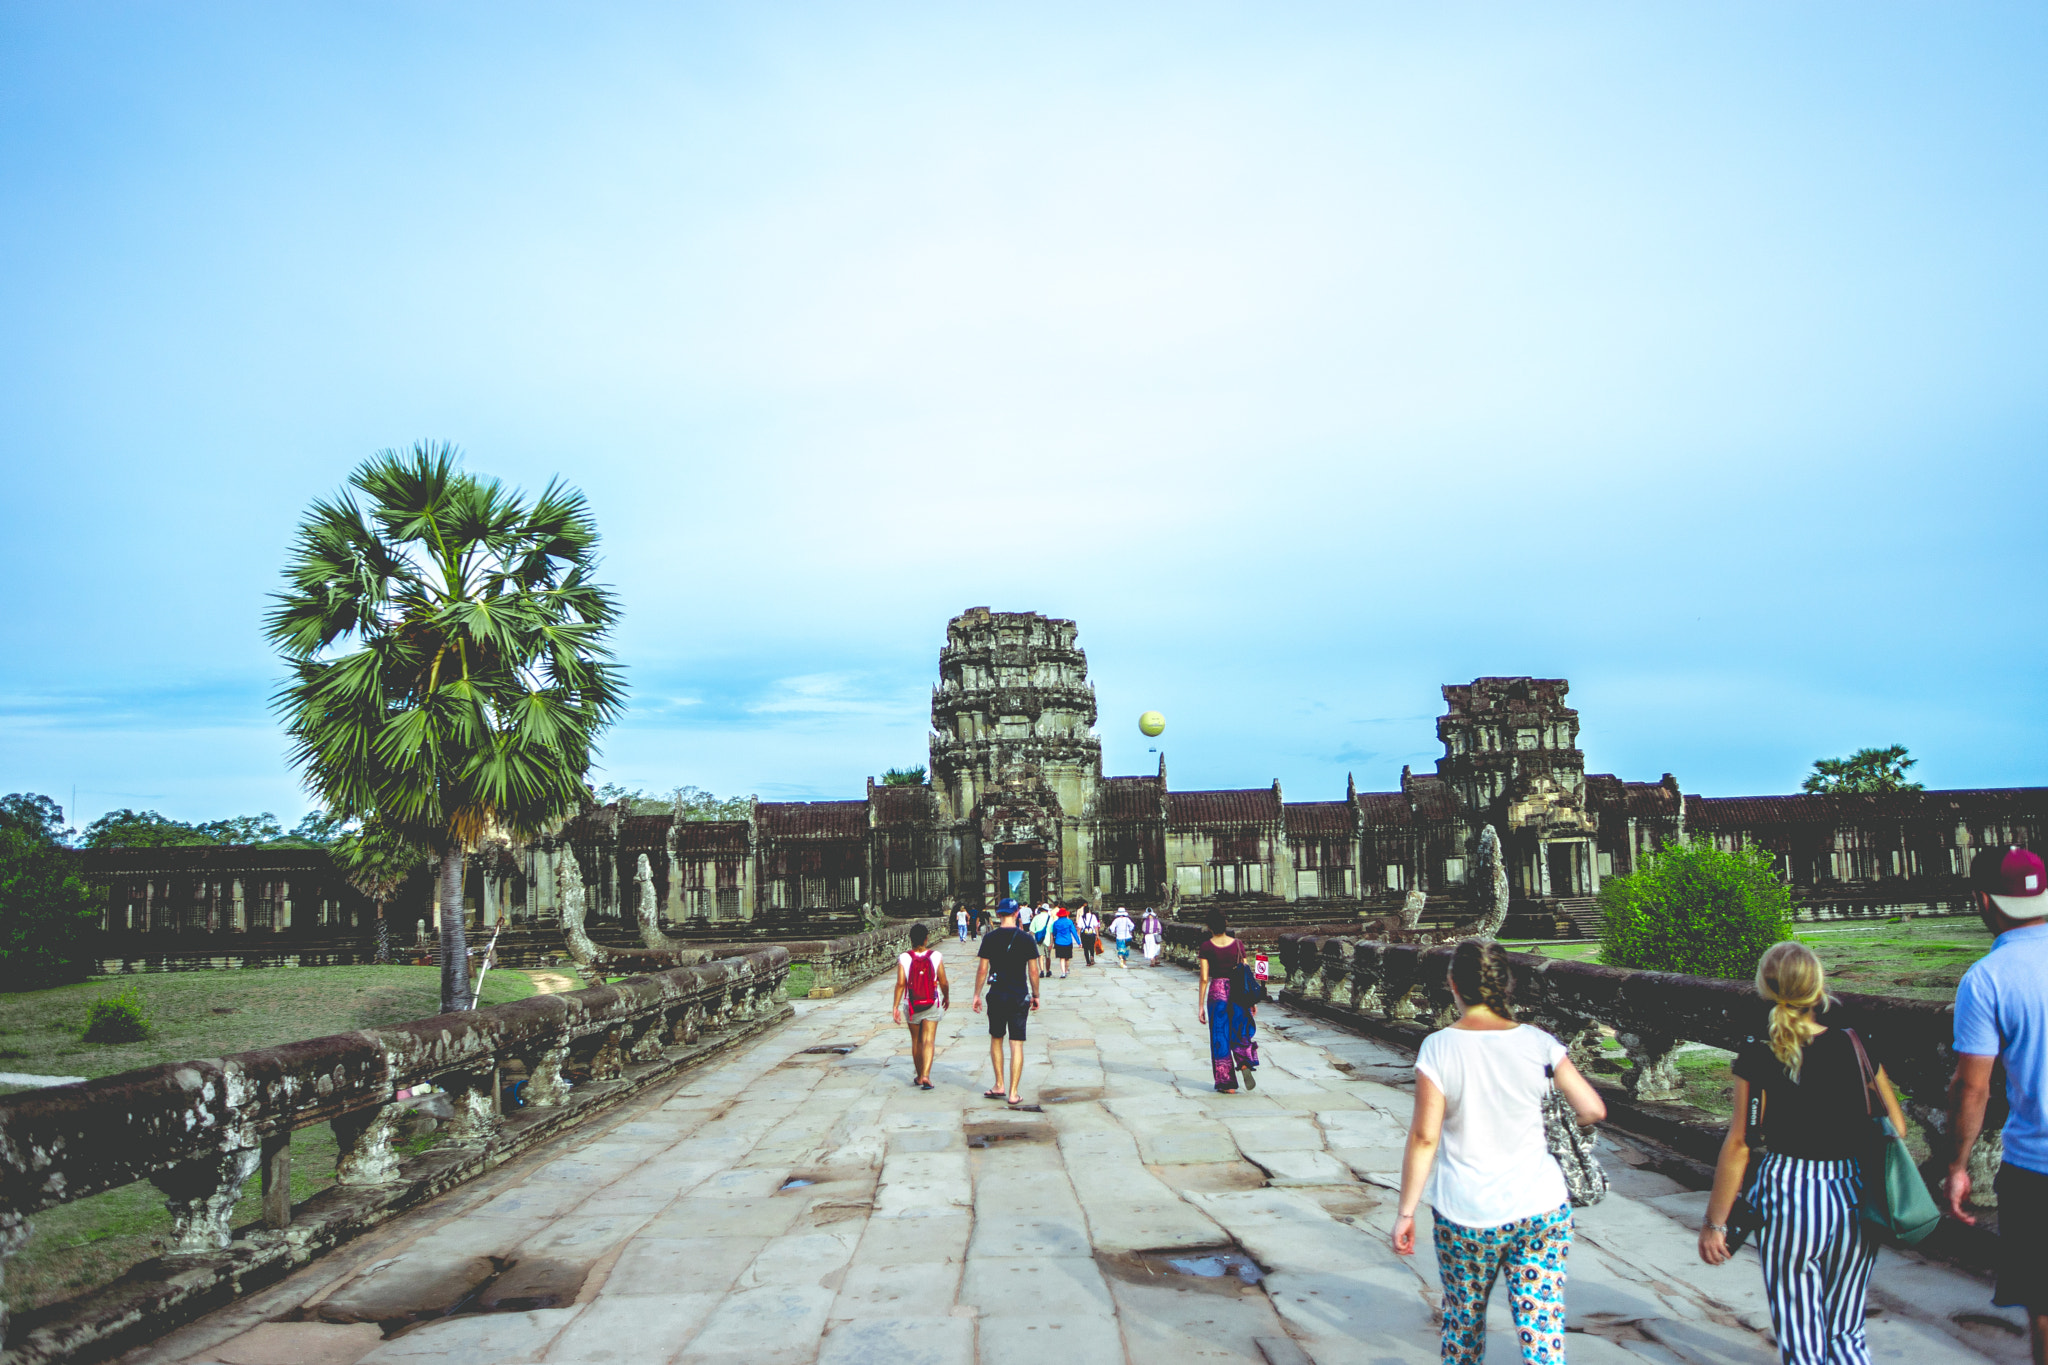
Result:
x=1791 y=978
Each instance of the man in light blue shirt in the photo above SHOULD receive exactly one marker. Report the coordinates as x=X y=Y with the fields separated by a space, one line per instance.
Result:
x=2002 y=1016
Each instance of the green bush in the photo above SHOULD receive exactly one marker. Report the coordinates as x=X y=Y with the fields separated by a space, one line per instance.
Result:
x=1695 y=908
x=117 y=1018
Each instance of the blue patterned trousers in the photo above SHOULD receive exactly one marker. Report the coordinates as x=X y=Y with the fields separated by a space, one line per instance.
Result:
x=1532 y=1252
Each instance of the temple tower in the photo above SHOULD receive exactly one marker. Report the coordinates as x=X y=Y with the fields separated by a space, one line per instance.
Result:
x=1013 y=745
x=1512 y=760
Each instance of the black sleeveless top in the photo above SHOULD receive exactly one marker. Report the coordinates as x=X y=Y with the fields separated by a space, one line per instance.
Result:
x=1819 y=1117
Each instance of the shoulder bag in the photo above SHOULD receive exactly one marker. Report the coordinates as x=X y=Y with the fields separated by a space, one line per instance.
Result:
x=1895 y=1200
x=1572 y=1146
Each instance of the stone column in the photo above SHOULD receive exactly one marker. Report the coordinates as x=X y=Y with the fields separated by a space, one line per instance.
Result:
x=284 y=905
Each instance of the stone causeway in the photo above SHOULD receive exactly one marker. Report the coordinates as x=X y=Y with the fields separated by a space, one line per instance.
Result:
x=796 y=1199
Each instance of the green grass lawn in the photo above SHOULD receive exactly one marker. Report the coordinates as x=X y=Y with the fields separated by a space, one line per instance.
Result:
x=798 y=984
x=85 y=1244
x=1908 y=959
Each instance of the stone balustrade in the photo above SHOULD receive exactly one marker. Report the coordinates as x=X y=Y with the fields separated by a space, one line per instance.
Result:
x=840 y=964
x=198 y=1130
x=1403 y=991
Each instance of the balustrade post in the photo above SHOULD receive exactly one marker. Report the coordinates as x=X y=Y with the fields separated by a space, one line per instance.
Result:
x=475 y=1101
x=1652 y=1075
x=15 y=1231
x=201 y=1195
x=546 y=1087
x=365 y=1137
x=277 y=1180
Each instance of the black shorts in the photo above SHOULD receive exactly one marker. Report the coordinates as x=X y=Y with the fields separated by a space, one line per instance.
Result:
x=1063 y=953
x=2022 y=1239
x=1007 y=1017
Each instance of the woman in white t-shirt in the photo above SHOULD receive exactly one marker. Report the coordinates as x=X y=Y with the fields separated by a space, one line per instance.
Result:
x=1497 y=1194
x=922 y=994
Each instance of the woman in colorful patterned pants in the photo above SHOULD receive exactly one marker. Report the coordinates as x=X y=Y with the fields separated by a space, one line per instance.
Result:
x=1476 y=1143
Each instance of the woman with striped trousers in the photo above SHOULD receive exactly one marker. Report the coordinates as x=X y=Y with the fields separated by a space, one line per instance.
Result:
x=1816 y=1254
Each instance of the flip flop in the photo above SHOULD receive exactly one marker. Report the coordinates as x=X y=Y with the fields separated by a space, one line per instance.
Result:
x=995 y=1094
x=924 y=1085
x=1016 y=1103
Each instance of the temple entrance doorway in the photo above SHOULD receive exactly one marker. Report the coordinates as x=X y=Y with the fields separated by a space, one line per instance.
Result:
x=1020 y=873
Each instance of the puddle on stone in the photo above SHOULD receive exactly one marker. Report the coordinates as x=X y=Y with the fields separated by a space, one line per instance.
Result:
x=834 y=1049
x=795 y=1182
x=983 y=1135
x=1225 y=1269
x=1069 y=1094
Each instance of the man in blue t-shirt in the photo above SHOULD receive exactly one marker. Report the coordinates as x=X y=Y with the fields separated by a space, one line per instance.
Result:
x=2002 y=1016
x=1009 y=969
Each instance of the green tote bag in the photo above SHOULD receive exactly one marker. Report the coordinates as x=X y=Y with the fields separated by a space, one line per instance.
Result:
x=1895 y=1199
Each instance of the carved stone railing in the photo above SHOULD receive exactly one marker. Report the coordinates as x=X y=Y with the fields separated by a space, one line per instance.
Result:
x=842 y=963
x=198 y=1130
x=1402 y=991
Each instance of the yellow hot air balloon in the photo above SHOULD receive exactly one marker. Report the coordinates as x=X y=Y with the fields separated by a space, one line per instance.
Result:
x=1152 y=725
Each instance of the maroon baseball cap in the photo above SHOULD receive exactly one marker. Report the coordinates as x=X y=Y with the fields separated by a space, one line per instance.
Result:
x=2014 y=879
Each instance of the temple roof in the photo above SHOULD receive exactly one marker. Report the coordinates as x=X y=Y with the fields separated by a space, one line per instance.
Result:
x=1319 y=818
x=812 y=819
x=1223 y=809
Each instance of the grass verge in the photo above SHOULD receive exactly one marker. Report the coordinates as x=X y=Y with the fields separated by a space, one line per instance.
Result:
x=80 y=1246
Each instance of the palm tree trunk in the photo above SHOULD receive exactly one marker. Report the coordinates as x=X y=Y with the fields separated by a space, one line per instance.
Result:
x=383 y=957
x=454 y=943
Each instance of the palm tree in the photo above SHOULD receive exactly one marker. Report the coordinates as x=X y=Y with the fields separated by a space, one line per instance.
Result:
x=449 y=664
x=377 y=860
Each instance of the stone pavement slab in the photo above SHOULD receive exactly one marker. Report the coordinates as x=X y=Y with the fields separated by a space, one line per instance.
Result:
x=778 y=1207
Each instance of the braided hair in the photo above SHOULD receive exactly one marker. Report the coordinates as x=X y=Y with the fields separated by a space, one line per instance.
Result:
x=1482 y=975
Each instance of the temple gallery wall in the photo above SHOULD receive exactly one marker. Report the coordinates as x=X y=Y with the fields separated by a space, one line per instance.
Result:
x=1017 y=799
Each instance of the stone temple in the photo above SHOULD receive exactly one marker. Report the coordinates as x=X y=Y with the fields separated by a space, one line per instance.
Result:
x=1017 y=803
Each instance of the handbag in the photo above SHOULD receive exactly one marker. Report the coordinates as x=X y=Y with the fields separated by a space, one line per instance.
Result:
x=1572 y=1146
x=1894 y=1200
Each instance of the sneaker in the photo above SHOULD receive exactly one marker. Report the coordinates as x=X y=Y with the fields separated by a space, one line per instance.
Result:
x=1251 y=1080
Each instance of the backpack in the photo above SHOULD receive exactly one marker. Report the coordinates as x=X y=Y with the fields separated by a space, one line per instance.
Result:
x=922 y=990
x=1246 y=989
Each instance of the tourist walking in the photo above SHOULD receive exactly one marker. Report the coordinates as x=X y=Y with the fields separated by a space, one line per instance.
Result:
x=1121 y=930
x=2002 y=1016
x=1233 y=1027
x=1041 y=934
x=1815 y=1128
x=1476 y=1150
x=1064 y=934
x=963 y=920
x=1009 y=971
x=922 y=994
x=1090 y=925
x=1155 y=935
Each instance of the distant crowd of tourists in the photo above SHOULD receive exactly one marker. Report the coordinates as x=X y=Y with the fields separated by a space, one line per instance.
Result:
x=1814 y=1166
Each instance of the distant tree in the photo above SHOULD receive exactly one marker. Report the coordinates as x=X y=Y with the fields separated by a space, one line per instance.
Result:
x=318 y=828
x=1697 y=908
x=904 y=777
x=377 y=861
x=450 y=672
x=46 y=909
x=1866 y=770
x=147 y=829
x=142 y=829
x=38 y=815
x=694 y=803
x=242 y=829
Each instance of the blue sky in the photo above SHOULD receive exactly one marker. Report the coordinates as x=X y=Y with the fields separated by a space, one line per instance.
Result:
x=1309 y=360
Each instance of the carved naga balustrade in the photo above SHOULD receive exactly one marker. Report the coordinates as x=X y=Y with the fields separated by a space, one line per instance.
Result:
x=842 y=963
x=198 y=1130
x=1402 y=991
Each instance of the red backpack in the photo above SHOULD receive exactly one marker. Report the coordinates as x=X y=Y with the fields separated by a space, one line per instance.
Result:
x=923 y=989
